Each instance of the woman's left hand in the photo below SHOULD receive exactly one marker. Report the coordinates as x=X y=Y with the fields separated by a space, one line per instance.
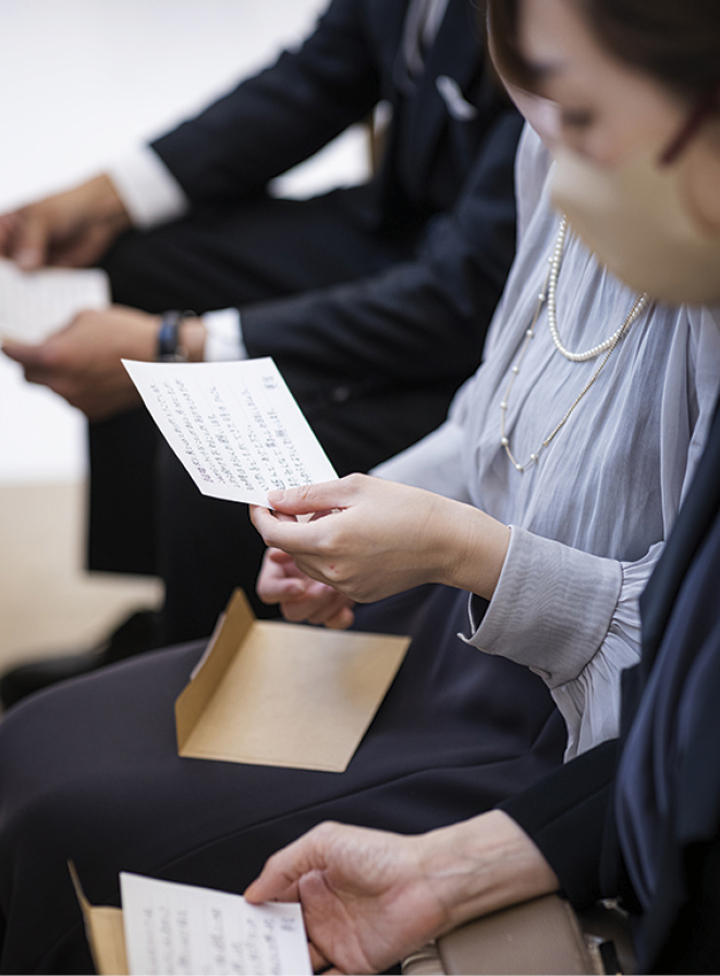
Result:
x=369 y=897
x=300 y=598
x=371 y=538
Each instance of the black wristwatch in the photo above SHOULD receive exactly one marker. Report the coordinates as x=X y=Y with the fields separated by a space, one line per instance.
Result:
x=169 y=349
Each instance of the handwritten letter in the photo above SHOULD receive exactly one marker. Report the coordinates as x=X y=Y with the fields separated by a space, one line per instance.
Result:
x=174 y=929
x=235 y=426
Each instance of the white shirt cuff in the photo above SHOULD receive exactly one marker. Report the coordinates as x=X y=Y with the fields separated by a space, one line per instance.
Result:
x=150 y=193
x=224 y=339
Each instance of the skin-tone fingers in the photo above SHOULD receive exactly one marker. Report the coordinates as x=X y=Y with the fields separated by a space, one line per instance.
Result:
x=278 y=880
x=301 y=599
x=29 y=356
x=23 y=238
x=318 y=961
x=343 y=619
x=282 y=533
x=280 y=578
x=30 y=250
x=314 y=498
x=380 y=538
x=321 y=605
x=9 y=224
x=82 y=362
x=369 y=897
x=70 y=229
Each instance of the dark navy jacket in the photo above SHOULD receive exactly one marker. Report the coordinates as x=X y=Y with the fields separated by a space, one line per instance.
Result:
x=572 y=814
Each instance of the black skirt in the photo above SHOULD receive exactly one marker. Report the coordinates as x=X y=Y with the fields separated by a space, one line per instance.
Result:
x=89 y=772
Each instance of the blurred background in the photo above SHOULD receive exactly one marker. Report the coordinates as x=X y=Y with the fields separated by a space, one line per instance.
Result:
x=81 y=80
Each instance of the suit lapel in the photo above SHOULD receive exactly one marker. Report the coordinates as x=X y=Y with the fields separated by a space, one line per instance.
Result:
x=457 y=52
x=387 y=20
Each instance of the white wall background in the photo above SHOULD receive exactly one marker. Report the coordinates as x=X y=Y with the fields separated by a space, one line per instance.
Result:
x=80 y=80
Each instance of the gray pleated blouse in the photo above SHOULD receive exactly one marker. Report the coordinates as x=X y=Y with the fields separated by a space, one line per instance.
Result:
x=590 y=517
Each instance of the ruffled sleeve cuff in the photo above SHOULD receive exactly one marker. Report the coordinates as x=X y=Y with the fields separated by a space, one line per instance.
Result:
x=572 y=618
x=590 y=704
x=551 y=609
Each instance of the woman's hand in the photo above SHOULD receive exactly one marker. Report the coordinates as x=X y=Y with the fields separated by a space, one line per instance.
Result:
x=371 y=538
x=301 y=598
x=370 y=897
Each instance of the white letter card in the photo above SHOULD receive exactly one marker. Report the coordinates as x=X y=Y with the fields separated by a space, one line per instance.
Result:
x=234 y=425
x=176 y=928
x=34 y=304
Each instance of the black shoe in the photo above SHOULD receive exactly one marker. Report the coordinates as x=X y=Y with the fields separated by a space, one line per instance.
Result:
x=139 y=633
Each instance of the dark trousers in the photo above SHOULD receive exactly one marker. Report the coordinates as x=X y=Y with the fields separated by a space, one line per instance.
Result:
x=89 y=771
x=146 y=515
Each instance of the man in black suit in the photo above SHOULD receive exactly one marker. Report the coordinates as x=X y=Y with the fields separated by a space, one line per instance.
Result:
x=373 y=300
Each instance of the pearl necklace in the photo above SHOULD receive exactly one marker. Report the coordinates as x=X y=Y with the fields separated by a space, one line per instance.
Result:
x=548 y=294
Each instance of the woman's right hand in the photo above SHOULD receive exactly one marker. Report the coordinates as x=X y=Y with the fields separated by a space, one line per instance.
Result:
x=300 y=597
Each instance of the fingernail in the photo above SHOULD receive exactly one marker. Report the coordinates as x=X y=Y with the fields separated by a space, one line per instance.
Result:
x=276 y=497
x=27 y=260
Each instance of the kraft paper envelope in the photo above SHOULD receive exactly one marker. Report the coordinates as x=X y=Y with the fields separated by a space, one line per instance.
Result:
x=105 y=934
x=279 y=694
x=166 y=927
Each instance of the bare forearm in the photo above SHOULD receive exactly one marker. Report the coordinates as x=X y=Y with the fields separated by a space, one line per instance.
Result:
x=472 y=547
x=378 y=538
x=369 y=897
x=482 y=865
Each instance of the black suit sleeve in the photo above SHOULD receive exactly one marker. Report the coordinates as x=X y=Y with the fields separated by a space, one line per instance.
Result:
x=567 y=816
x=424 y=320
x=281 y=116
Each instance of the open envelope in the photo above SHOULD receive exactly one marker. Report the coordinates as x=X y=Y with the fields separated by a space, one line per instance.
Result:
x=165 y=927
x=104 y=930
x=279 y=694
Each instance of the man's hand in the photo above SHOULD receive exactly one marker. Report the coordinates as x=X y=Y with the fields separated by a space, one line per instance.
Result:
x=300 y=598
x=370 y=897
x=82 y=362
x=71 y=229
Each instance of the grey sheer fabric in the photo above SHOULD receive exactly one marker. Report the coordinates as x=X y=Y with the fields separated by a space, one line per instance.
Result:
x=589 y=519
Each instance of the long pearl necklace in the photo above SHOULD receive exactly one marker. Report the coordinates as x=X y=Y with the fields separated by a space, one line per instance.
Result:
x=548 y=294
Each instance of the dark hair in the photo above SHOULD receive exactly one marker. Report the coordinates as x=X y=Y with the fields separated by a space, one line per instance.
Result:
x=675 y=41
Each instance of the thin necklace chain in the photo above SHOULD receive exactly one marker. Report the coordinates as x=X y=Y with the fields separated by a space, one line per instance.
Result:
x=548 y=294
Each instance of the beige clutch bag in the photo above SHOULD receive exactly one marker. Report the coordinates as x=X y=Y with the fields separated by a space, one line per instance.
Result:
x=542 y=936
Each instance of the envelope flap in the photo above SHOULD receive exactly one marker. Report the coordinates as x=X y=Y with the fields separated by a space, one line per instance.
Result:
x=232 y=629
x=104 y=930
